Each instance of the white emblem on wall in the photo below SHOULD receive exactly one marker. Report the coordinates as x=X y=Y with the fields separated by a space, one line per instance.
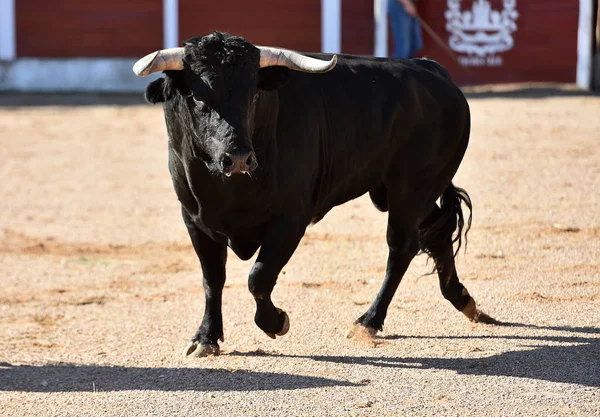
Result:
x=481 y=32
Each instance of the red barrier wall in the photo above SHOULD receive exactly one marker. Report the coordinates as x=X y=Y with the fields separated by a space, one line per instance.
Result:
x=67 y=28
x=290 y=24
x=496 y=40
x=520 y=41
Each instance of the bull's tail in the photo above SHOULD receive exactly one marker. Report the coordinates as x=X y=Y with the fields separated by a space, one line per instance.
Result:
x=451 y=202
x=447 y=223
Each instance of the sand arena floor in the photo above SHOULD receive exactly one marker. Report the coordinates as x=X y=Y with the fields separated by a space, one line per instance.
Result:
x=100 y=289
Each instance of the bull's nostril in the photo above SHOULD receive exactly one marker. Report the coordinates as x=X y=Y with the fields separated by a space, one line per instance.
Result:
x=227 y=162
x=250 y=160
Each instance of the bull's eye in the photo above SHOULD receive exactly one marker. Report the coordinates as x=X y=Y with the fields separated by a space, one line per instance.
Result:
x=202 y=106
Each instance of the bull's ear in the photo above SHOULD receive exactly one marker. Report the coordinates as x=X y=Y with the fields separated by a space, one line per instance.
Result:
x=166 y=88
x=271 y=78
x=155 y=92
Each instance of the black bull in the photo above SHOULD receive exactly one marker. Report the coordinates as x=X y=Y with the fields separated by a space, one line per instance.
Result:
x=397 y=129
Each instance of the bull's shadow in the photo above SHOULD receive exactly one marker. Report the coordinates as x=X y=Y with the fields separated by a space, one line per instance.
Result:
x=88 y=378
x=576 y=360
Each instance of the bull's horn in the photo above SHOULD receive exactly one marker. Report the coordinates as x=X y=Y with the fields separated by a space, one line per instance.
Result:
x=293 y=60
x=165 y=59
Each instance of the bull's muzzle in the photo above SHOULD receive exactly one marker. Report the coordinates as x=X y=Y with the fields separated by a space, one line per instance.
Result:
x=238 y=163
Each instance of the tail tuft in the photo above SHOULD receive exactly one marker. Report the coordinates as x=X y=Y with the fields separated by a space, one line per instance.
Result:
x=447 y=224
x=451 y=202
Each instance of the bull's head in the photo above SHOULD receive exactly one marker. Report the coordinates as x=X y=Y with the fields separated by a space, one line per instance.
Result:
x=220 y=77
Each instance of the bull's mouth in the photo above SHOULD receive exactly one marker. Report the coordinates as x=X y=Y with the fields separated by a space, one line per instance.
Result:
x=229 y=174
x=229 y=165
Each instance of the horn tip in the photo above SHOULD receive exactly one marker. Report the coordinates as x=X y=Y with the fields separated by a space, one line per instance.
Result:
x=333 y=61
x=142 y=67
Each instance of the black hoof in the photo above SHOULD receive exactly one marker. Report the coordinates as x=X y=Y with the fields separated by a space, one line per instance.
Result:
x=285 y=328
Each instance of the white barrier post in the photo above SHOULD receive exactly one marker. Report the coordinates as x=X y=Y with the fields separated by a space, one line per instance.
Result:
x=170 y=23
x=584 y=44
x=381 y=30
x=7 y=30
x=331 y=24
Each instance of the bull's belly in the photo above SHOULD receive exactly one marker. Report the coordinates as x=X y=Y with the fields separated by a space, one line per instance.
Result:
x=325 y=205
x=347 y=181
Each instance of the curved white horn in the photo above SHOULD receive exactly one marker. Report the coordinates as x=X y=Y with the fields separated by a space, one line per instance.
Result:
x=165 y=59
x=293 y=60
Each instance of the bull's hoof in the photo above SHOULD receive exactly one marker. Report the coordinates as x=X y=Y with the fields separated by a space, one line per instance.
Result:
x=286 y=325
x=201 y=350
x=477 y=316
x=362 y=333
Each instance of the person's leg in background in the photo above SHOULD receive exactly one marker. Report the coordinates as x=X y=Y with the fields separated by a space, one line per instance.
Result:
x=401 y=29
x=416 y=37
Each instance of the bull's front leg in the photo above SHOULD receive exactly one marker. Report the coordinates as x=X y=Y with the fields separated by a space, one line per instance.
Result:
x=280 y=242
x=213 y=256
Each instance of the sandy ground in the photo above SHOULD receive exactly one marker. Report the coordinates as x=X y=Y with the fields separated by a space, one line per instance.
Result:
x=100 y=289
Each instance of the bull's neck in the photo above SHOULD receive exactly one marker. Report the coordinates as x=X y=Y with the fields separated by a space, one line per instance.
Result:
x=265 y=119
x=265 y=127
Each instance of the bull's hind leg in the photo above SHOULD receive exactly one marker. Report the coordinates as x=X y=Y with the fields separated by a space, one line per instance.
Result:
x=402 y=239
x=435 y=238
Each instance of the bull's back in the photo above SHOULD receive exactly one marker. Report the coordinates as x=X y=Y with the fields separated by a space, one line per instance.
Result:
x=353 y=121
